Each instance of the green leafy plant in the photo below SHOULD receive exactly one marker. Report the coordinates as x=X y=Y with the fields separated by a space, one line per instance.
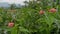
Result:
x=38 y=17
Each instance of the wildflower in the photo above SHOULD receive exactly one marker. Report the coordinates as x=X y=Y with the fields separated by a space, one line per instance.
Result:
x=53 y=10
x=41 y=12
x=10 y=24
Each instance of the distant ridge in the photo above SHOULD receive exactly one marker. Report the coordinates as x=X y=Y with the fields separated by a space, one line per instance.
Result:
x=5 y=4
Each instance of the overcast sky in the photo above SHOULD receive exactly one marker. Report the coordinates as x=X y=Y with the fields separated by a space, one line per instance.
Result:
x=14 y=1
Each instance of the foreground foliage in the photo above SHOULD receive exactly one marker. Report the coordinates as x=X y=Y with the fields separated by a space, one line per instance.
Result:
x=31 y=19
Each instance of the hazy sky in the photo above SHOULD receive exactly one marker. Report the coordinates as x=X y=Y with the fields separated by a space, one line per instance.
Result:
x=14 y=1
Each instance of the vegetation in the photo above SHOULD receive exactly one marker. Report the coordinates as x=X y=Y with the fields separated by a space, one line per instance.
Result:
x=36 y=17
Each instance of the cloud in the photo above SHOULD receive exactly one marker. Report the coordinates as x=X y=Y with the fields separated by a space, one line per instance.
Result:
x=14 y=1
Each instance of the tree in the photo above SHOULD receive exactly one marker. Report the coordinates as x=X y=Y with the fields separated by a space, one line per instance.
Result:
x=13 y=6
